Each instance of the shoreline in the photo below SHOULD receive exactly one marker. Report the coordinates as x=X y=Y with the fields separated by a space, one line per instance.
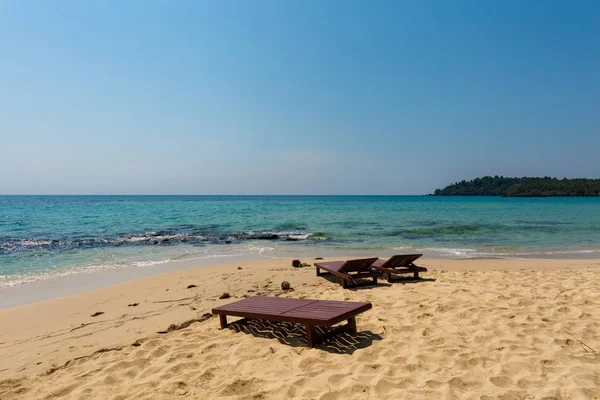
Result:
x=61 y=286
x=75 y=279
x=77 y=283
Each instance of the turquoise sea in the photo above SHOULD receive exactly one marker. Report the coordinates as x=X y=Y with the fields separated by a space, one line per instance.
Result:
x=47 y=236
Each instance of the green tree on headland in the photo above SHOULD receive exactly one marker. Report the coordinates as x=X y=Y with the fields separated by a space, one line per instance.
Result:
x=522 y=187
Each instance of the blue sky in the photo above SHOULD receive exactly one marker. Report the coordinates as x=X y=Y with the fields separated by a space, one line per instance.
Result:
x=311 y=97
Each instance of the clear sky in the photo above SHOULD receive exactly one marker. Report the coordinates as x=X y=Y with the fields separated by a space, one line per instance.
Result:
x=294 y=97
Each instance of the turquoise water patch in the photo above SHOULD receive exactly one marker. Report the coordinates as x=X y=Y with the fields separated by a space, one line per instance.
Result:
x=44 y=234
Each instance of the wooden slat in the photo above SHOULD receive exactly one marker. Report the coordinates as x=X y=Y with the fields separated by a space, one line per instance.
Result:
x=310 y=312
x=331 y=265
x=397 y=261
x=349 y=270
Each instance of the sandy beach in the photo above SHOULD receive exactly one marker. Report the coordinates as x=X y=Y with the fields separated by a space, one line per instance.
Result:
x=473 y=329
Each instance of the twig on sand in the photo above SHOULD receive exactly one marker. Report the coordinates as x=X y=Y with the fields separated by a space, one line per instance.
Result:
x=584 y=345
x=299 y=352
x=561 y=292
x=174 y=301
x=360 y=381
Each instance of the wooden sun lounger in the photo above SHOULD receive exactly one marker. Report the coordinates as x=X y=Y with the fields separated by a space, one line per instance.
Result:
x=399 y=264
x=309 y=313
x=349 y=270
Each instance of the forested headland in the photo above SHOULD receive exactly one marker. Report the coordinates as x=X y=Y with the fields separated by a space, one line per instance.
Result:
x=522 y=187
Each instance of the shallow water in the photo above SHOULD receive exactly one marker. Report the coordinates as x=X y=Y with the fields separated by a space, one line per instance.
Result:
x=44 y=236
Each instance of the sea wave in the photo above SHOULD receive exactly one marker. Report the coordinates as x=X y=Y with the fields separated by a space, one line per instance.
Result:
x=35 y=275
x=441 y=231
x=14 y=278
x=155 y=238
x=498 y=252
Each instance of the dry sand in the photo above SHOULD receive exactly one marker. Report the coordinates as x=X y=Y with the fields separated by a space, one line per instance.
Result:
x=475 y=329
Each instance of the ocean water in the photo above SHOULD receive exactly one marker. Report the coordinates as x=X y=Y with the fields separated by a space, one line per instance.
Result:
x=48 y=236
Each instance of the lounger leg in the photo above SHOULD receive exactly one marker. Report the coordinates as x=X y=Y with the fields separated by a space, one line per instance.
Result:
x=416 y=274
x=374 y=280
x=310 y=335
x=318 y=272
x=352 y=324
x=389 y=276
x=344 y=284
x=223 y=319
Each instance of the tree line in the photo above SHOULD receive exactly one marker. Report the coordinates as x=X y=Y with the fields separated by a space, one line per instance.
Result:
x=522 y=187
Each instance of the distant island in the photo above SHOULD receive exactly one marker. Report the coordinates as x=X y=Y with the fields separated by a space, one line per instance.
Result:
x=522 y=187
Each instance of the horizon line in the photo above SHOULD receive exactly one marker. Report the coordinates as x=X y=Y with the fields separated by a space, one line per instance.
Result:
x=167 y=194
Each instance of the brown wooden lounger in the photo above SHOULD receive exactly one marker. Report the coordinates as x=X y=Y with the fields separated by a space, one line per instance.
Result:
x=310 y=313
x=349 y=270
x=399 y=264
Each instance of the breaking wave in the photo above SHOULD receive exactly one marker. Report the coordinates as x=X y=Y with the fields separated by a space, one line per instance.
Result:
x=154 y=238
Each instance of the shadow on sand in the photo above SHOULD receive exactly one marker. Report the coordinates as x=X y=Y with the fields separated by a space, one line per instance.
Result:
x=357 y=284
x=295 y=335
x=409 y=279
x=354 y=284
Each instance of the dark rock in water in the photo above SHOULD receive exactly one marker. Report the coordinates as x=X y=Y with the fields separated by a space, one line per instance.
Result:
x=296 y=264
x=263 y=236
x=225 y=296
x=191 y=286
x=318 y=258
x=285 y=285
x=291 y=239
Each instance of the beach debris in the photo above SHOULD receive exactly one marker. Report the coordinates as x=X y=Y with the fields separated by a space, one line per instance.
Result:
x=561 y=292
x=176 y=327
x=191 y=286
x=285 y=285
x=298 y=264
x=133 y=305
x=584 y=345
x=176 y=300
x=225 y=296
x=239 y=267
x=97 y=313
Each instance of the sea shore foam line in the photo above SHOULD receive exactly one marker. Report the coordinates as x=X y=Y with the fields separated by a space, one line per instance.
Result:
x=500 y=251
x=38 y=275
x=11 y=280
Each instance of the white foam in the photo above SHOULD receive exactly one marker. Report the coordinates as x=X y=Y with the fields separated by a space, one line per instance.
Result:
x=259 y=249
x=19 y=279
x=494 y=252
